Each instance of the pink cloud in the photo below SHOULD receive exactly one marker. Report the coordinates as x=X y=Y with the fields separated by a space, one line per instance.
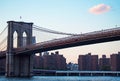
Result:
x=99 y=9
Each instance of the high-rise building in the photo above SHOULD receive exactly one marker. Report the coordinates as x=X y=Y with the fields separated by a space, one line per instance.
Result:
x=51 y=62
x=104 y=63
x=115 y=62
x=94 y=62
x=88 y=62
x=38 y=62
x=54 y=61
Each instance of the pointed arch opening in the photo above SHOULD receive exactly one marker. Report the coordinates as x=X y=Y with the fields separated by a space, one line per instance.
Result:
x=15 y=39
x=24 y=38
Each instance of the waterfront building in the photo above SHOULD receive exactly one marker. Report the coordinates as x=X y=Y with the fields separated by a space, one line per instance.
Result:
x=38 y=62
x=104 y=63
x=50 y=61
x=115 y=62
x=88 y=62
x=54 y=61
x=72 y=66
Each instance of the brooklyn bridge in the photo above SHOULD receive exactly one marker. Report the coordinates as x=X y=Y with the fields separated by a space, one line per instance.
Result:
x=19 y=60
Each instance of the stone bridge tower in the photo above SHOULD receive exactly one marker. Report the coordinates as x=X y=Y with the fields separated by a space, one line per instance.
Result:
x=18 y=65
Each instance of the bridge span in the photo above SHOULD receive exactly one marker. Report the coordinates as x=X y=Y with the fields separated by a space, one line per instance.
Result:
x=19 y=60
x=71 y=41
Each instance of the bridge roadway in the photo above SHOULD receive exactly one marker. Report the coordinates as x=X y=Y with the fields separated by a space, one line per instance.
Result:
x=70 y=41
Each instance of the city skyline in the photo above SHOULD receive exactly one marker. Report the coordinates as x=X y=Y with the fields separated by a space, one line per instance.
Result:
x=68 y=60
x=86 y=62
x=67 y=16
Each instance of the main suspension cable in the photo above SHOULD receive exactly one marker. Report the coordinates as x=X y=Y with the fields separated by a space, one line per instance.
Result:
x=50 y=31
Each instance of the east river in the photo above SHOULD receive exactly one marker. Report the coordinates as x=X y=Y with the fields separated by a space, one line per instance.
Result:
x=62 y=78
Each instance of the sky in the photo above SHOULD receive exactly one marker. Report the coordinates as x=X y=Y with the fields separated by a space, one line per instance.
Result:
x=71 y=16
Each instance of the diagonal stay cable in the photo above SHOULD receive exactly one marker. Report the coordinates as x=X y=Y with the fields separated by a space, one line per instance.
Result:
x=6 y=44
x=2 y=42
x=3 y=30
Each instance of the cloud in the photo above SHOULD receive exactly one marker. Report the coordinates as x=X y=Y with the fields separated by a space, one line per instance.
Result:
x=99 y=9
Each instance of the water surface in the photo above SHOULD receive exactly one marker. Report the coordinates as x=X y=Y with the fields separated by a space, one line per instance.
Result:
x=62 y=78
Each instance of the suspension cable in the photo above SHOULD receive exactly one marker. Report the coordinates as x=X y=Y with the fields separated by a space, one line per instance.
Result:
x=3 y=48
x=6 y=44
x=38 y=28
x=2 y=42
x=3 y=30
x=51 y=31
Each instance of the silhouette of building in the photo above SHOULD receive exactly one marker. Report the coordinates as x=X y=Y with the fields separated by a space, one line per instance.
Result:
x=104 y=63
x=2 y=65
x=54 y=61
x=72 y=66
x=38 y=62
x=25 y=40
x=50 y=62
x=88 y=62
x=115 y=62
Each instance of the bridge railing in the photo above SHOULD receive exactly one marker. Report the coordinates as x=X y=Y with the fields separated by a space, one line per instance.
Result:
x=102 y=31
x=85 y=34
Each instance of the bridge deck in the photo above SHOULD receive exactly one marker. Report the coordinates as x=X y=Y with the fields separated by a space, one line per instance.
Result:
x=71 y=41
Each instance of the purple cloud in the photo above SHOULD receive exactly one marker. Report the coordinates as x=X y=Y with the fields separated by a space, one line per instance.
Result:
x=99 y=9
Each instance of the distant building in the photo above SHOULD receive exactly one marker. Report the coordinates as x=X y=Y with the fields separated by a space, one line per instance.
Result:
x=46 y=53
x=25 y=41
x=115 y=62
x=72 y=66
x=38 y=62
x=104 y=63
x=50 y=62
x=88 y=62
x=54 y=61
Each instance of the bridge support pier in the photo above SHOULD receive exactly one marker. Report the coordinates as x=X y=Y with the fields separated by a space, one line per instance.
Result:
x=2 y=65
x=19 y=65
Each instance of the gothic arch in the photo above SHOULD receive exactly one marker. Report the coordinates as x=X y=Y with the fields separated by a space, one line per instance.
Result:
x=15 y=39
x=24 y=34
x=20 y=28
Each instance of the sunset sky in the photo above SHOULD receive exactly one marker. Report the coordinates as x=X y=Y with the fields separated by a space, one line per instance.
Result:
x=71 y=16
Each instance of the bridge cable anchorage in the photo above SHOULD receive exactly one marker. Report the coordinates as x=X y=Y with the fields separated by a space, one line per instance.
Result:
x=51 y=31
x=3 y=30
